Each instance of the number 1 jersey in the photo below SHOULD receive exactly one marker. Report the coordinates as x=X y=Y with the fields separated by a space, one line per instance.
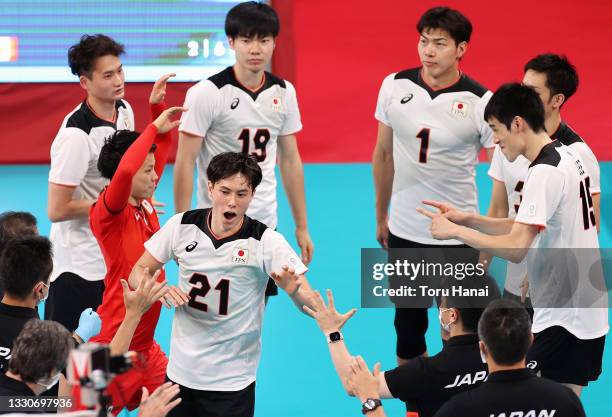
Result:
x=232 y=118
x=437 y=135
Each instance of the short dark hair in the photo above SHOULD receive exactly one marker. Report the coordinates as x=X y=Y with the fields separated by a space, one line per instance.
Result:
x=471 y=307
x=113 y=150
x=505 y=329
x=42 y=347
x=23 y=263
x=252 y=19
x=456 y=24
x=83 y=55
x=561 y=75
x=14 y=224
x=513 y=99
x=227 y=164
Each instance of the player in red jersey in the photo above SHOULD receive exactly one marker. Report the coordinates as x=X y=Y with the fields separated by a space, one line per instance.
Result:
x=122 y=220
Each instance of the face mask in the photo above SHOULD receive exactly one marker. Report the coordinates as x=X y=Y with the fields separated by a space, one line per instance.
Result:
x=46 y=296
x=446 y=327
x=49 y=383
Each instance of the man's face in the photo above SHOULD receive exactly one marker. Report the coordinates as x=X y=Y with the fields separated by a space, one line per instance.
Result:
x=253 y=54
x=509 y=141
x=438 y=52
x=145 y=180
x=107 y=79
x=230 y=199
x=537 y=81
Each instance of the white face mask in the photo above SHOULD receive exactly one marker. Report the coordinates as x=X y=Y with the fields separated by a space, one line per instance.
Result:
x=446 y=327
x=49 y=383
x=46 y=296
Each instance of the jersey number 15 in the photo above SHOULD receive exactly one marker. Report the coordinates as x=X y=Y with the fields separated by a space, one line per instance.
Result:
x=588 y=216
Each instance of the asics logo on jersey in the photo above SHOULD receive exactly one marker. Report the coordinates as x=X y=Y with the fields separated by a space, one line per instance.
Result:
x=235 y=103
x=191 y=246
x=406 y=99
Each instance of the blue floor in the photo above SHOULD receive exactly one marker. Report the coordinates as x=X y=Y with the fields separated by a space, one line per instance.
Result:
x=296 y=377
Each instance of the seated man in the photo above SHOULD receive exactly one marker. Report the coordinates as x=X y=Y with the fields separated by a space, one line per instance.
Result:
x=14 y=224
x=40 y=352
x=427 y=382
x=511 y=389
x=225 y=259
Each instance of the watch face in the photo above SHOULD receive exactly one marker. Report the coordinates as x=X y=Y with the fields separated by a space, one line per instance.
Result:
x=335 y=336
x=369 y=404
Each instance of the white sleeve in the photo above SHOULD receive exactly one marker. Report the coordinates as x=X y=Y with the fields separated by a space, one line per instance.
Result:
x=274 y=252
x=130 y=115
x=589 y=160
x=69 y=157
x=486 y=134
x=542 y=193
x=203 y=101
x=496 y=170
x=161 y=244
x=293 y=123
x=384 y=100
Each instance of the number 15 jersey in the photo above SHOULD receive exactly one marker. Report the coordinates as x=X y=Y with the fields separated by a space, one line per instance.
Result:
x=437 y=135
x=232 y=118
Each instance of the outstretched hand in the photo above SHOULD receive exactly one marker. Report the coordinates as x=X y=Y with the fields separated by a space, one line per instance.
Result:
x=362 y=382
x=441 y=228
x=326 y=316
x=164 y=123
x=148 y=292
x=287 y=279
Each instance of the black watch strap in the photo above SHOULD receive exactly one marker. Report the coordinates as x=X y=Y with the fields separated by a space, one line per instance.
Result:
x=370 y=404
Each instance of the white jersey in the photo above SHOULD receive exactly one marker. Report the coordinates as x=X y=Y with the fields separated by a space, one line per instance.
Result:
x=564 y=255
x=513 y=175
x=233 y=118
x=437 y=135
x=74 y=163
x=216 y=337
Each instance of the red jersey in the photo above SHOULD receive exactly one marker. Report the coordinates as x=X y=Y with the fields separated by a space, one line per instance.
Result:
x=121 y=230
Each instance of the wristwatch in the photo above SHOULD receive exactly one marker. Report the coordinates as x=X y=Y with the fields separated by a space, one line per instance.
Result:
x=334 y=337
x=370 y=404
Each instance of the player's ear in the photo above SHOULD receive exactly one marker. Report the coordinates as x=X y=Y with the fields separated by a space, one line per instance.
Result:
x=83 y=82
x=557 y=100
x=230 y=40
x=210 y=189
x=461 y=49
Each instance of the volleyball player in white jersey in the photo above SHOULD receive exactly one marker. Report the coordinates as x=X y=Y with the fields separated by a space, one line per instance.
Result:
x=430 y=131
x=225 y=259
x=555 y=80
x=556 y=212
x=245 y=108
x=77 y=281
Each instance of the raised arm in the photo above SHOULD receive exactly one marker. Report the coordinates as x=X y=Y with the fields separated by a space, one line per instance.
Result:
x=189 y=146
x=163 y=140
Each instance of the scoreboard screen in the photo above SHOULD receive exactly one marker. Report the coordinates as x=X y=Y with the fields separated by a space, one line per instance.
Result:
x=182 y=36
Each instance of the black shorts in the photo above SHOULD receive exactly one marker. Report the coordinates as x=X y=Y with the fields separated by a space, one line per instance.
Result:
x=69 y=295
x=411 y=323
x=559 y=355
x=198 y=403
x=271 y=288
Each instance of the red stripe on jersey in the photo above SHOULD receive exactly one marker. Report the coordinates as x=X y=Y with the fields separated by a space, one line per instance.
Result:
x=539 y=226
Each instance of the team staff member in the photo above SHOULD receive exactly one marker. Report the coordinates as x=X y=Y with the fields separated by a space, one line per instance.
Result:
x=425 y=382
x=25 y=266
x=246 y=109
x=555 y=213
x=511 y=389
x=74 y=179
x=430 y=130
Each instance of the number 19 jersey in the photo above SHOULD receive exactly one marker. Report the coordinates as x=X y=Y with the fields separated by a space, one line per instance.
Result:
x=437 y=135
x=232 y=118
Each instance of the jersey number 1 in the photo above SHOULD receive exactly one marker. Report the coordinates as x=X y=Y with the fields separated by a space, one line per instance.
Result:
x=260 y=140
x=588 y=217
x=424 y=136
x=222 y=287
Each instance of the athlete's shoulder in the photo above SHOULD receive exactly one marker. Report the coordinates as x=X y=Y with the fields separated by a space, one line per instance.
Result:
x=272 y=80
x=549 y=155
x=468 y=84
x=411 y=74
x=566 y=135
x=84 y=119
